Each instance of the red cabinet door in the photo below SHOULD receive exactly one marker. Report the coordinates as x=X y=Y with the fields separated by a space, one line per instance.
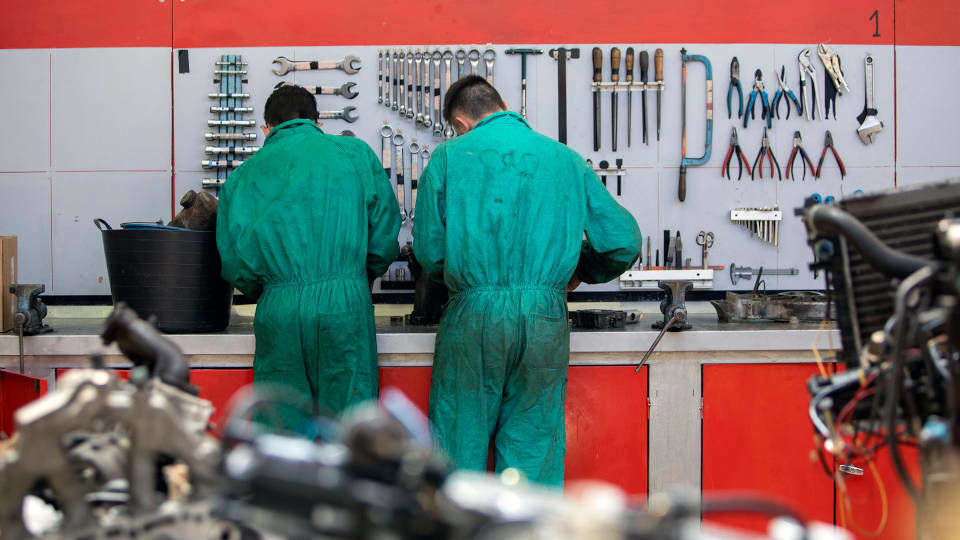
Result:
x=757 y=438
x=864 y=515
x=414 y=382
x=17 y=390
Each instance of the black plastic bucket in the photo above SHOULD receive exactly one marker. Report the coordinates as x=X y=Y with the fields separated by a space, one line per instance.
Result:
x=168 y=273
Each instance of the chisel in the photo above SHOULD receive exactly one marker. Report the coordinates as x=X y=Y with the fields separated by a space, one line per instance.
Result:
x=597 y=77
x=649 y=259
x=678 y=257
x=666 y=248
x=644 y=64
x=614 y=78
x=658 y=73
x=629 y=100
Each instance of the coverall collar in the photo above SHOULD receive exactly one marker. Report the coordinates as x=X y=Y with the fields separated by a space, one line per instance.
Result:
x=502 y=116
x=289 y=124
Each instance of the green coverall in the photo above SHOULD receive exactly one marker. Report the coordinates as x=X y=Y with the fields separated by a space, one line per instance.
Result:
x=308 y=220
x=500 y=218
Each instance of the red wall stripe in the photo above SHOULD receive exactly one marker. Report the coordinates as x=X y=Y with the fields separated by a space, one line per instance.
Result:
x=222 y=23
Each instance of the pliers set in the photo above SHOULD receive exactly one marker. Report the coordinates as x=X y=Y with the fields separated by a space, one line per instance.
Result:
x=766 y=155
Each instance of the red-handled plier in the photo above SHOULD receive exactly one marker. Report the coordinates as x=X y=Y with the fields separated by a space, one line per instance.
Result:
x=741 y=158
x=828 y=144
x=766 y=152
x=798 y=147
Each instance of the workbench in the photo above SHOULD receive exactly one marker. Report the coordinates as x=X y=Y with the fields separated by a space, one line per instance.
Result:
x=717 y=407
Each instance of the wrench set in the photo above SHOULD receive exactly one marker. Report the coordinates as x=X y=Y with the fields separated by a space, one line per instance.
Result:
x=412 y=82
x=349 y=65
x=393 y=157
x=226 y=144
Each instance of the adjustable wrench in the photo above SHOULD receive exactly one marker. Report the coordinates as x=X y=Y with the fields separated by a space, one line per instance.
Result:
x=403 y=86
x=870 y=125
x=461 y=58
x=427 y=95
x=230 y=136
x=386 y=87
x=398 y=143
x=386 y=134
x=437 y=123
x=410 y=83
x=396 y=79
x=345 y=114
x=474 y=57
x=379 y=75
x=345 y=90
x=417 y=67
x=231 y=109
x=448 y=74
x=349 y=65
x=414 y=176
x=489 y=56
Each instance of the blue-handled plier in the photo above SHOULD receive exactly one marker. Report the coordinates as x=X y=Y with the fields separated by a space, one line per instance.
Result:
x=734 y=82
x=758 y=89
x=785 y=90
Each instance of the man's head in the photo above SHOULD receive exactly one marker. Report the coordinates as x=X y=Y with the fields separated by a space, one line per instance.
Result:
x=470 y=100
x=287 y=103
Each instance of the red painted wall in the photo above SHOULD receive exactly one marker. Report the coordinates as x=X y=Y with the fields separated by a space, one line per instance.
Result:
x=222 y=23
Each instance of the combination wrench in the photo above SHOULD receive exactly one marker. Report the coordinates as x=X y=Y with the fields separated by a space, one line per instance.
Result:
x=461 y=58
x=231 y=123
x=237 y=150
x=345 y=90
x=379 y=75
x=230 y=136
x=409 y=83
x=386 y=86
x=349 y=65
x=386 y=134
x=474 y=57
x=414 y=176
x=427 y=96
x=231 y=109
x=489 y=56
x=396 y=79
x=418 y=79
x=345 y=114
x=398 y=143
x=448 y=74
x=403 y=85
x=437 y=123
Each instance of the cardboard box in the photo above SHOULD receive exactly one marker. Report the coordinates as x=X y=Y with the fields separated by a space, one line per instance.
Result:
x=8 y=276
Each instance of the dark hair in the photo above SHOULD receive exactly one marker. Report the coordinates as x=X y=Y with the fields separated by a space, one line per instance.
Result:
x=289 y=102
x=473 y=96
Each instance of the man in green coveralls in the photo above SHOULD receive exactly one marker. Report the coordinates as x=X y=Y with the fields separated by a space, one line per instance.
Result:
x=306 y=224
x=500 y=218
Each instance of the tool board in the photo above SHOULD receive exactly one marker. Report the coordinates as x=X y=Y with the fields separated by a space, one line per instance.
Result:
x=88 y=139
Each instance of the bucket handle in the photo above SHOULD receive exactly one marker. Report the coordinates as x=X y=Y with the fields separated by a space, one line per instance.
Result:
x=100 y=221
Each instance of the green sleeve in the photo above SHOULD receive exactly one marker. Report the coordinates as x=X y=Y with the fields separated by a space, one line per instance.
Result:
x=613 y=238
x=383 y=221
x=429 y=228
x=235 y=270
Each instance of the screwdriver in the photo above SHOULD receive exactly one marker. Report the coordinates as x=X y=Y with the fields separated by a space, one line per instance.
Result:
x=629 y=100
x=658 y=69
x=644 y=64
x=615 y=78
x=597 y=77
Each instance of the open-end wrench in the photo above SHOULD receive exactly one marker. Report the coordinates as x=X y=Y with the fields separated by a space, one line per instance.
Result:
x=409 y=83
x=386 y=134
x=474 y=57
x=437 y=123
x=379 y=75
x=231 y=109
x=344 y=114
x=448 y=75
x=230 y=136
x=345 y=90
x=403 y=85
x=418 y=80
x=461 y=58
x=386 y=78
x=870 y=125
x=349 y=65
x=489 y=56
x=414 y=175
x=427 y=95
x=395 y=105
x=398 y=143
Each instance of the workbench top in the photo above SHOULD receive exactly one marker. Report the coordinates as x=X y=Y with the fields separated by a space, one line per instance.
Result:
x=77 y=336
